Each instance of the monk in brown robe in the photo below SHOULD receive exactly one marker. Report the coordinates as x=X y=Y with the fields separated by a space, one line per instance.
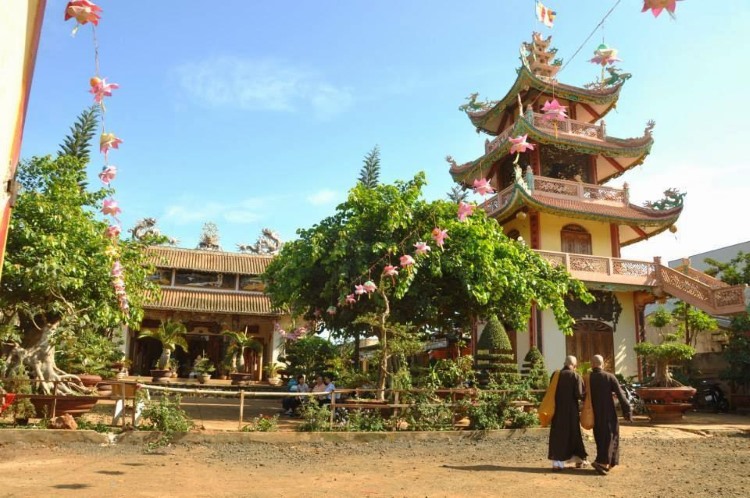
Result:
x=565 y=441
x=602 y=386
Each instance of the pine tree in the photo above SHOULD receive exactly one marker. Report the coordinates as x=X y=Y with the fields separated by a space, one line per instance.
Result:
x=369 y=175
x=77 y=143
x=495 y=354
x=457 y=194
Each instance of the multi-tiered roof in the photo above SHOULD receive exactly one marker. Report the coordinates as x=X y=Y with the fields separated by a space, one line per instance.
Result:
x=583 y=134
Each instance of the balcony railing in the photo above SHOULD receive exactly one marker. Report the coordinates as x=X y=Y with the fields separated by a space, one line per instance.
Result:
x=569 y=127
x=579 y=190
x=706 y=294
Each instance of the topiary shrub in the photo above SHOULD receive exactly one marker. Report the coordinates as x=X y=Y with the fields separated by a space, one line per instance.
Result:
x=494 y=356
x=536 y=369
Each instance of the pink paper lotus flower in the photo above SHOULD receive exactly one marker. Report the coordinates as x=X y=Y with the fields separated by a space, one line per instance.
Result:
x=108 y=141
x=390 y=271
x=100 y=88
x=439 y=236
x=83 y=12
x=110 y=208
x=107 y=174
x=406 y=261
x=113 y=231
x=656 y=6
x=422 y=248
x=117 y=269
x=553 y=111
x=370 y=286
x=350 y=299
x=331 y=310
x=465 y=210
x=520 y=145
x=483 y=187
x=119 y=284
x=605 y=55
x=359 y=290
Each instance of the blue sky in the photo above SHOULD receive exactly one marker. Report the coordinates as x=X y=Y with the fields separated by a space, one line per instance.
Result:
x=257 y=114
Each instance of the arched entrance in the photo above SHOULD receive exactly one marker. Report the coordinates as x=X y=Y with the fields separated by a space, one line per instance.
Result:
x=592 y=337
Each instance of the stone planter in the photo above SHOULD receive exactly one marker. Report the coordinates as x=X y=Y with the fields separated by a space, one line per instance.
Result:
x=241 y=379
x=89 y=380
x=666 y=404
x=203 y=378
x=159 y=376
x=104 y=389
x=73 y=405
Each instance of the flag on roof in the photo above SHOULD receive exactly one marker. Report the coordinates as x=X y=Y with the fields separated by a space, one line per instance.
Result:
x=545 y=15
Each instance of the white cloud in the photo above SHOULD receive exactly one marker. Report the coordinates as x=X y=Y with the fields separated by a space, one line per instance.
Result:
x=261 y=85
x=189 y=211
x=322 y=197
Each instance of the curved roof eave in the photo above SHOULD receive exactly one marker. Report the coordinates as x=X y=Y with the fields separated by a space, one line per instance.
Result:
x=527 y=79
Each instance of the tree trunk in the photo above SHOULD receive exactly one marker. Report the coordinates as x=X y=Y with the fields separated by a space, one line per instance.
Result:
x=37 y=353
x=663 y=377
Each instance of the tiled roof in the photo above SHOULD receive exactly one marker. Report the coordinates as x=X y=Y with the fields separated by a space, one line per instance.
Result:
x=210 y=261
x=623 y=211
x=203 y=301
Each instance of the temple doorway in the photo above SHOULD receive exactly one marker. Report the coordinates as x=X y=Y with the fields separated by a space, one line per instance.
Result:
x=592 y=337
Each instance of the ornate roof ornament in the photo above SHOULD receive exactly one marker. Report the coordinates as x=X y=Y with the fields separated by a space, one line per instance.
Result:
x=473 y=106
x=672 y=199
x=209 y=239
x=269 y=243
x=537 y=57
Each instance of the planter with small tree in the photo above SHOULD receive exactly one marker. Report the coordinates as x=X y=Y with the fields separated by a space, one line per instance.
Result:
x=665 y=398
x=272 y=372
x=239 y=342
x=203 y=369
x=171 y=335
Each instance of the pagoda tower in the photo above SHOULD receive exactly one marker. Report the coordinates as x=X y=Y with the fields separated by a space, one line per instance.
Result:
x=554 y=199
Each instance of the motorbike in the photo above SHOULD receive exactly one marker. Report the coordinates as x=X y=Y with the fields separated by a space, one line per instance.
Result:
x=709 y=396
x=635 y=401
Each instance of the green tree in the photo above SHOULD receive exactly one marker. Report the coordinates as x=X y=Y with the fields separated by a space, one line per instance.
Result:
x=171 y=335
x=495 y=354
x=735 y=272
x=56 y=276
x=458 y=194
x=691 y=321
x=310 y=355
x=369 y=175
x=478 y=273
x=669 y=350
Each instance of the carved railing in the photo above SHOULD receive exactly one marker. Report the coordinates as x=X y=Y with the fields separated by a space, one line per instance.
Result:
x=712 y=282
x=601 y=268
x=489 y=146
x=579 y=129
x=496 y=202
x=583 y=191
x=715 y=300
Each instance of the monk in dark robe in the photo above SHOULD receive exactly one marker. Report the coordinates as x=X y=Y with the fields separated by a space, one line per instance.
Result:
x=602 y=386
x=565 y=441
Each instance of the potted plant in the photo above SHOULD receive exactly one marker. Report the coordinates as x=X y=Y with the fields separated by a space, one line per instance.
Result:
x=171 y=335
x=239 y=342
x=272 y=371
x=666 y=398
x=203 y=368
x=22 y=407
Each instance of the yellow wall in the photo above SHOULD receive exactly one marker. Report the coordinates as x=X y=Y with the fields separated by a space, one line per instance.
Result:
x=551 y=225
x=626 y=362
x=20 y=22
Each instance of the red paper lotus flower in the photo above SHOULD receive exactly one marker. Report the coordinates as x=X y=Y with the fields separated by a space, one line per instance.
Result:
x=390 y=271
x=520 y=145
x=439 y=236
x=107 y=174
x=483 y=187
x=108 y=141
x=370 y=286
x=553 y=111
x=83 y=12
x=406 y=260
x=657 y=6
x=113 y=231
x=100 y=88
x=422 y=248
x=110 y=208
x=465 y=210
x=350 y=299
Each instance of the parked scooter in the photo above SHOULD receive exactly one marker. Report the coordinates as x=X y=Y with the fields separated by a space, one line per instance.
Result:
x=709 y=396
x=635 y=401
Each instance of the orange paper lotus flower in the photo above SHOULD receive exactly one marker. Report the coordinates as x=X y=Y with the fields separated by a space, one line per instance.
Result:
x=108 y=141
x=657 y=6
x=100 y=88
x=439 y=236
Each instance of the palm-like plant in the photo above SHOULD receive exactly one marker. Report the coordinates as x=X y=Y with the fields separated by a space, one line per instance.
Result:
x=171 y=335
x=240 y=342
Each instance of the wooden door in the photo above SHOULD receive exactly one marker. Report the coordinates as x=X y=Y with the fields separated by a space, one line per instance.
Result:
x=575 y=240
x=592 y=337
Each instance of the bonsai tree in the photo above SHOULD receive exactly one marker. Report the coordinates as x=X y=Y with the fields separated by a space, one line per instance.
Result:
x=171 y=335
x=19 y=383
x=240 y=341
x=203 y=366
x=671 y=350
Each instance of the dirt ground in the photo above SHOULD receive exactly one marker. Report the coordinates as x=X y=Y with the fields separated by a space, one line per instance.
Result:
x=656 y=462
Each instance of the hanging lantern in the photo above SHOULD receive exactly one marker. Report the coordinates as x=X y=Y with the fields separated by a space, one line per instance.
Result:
x=520 y=215
x=673 y=228
x=656 y=6
x=605 y=55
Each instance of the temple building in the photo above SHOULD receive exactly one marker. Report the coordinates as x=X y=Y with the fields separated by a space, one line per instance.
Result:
x=209 y=291
x=555 y=199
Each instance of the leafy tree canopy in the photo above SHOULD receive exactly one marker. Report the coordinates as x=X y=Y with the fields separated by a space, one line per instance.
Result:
x=478 y=273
